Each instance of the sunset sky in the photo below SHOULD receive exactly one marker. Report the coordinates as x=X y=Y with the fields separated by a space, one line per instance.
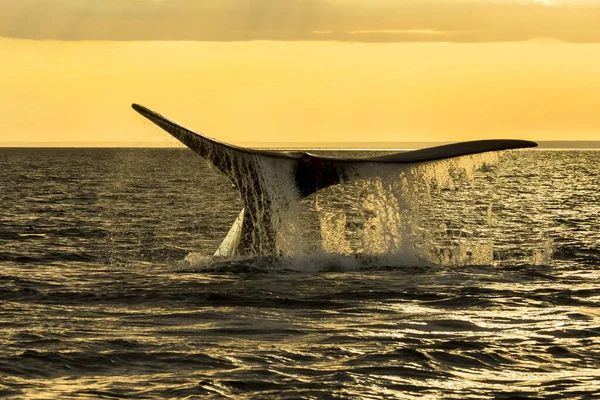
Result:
x=276 y=71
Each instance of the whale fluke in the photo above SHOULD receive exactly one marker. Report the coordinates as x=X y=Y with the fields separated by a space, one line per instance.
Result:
x=298 y=174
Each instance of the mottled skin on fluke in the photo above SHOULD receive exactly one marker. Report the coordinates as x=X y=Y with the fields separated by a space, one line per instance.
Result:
x=311 y=172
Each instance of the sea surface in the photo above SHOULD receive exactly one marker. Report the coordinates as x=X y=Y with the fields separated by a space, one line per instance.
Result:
x=107 y=289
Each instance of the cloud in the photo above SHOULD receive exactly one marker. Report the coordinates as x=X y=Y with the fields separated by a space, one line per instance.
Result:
x=463 y=21
x=399 y=32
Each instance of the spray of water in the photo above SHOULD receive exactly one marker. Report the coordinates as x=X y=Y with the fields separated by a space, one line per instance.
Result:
x=391 y=213
x=282 y=197
x=386 y=212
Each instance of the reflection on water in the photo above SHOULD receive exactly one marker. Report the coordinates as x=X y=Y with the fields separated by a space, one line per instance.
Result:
x=97 y=301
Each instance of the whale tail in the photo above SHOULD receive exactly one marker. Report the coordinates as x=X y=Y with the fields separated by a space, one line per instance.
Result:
x=270 y=179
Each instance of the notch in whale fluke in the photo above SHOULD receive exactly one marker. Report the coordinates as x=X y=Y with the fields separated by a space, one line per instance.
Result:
x=254 y=232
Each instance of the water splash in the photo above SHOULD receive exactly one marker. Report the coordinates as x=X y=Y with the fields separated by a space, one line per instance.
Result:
x=279 y=198
x=393 y=213
x=387 y=211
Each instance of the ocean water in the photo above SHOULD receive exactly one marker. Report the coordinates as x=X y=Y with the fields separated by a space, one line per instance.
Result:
x=107 y=289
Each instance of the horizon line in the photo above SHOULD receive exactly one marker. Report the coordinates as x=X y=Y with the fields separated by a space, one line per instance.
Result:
x=382 y=145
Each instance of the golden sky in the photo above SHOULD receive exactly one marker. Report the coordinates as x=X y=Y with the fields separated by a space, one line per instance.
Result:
x=265 y=71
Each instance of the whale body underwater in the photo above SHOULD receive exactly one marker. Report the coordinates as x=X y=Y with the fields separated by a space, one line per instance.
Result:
x=270 y=180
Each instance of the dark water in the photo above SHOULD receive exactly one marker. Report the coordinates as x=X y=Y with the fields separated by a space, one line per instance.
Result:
x=97 y=302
